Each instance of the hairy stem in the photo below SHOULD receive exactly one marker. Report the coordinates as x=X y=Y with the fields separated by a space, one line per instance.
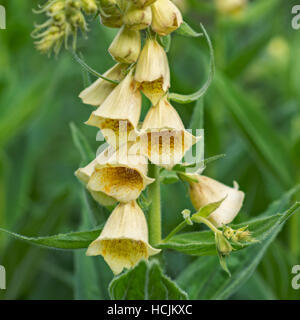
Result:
x=154 y=216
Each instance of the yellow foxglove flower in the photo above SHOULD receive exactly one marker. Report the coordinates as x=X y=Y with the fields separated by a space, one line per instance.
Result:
x=152 y=71
x=120 y=175
x=137 y=18
x=84 y=175
x=126 y=46
x=166 y=17
x=163 y=138
x=208 y=190
x=97 y=92
x=124 y=239
x=143 y=3
x=119 y=114
x=231 y=7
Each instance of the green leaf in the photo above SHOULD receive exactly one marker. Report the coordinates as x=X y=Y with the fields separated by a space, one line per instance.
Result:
x=256 y=129
x=145 y=282
x=181 y=98
x=165 y=42
x=208 y=209
x=203 y=243
x=81 y=144
x=186 y=30
x=212 y=282
x=71 y=240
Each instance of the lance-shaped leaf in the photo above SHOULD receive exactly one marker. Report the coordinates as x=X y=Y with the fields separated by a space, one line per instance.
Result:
x=181 y=98
x=203 y=243
x=204 y=278
x=71 y=240
x=145 y=282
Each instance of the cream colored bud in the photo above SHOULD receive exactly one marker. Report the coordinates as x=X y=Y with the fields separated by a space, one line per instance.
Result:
x=84 y=175
x=137 y=18
x=166 y=17
x=124 y=239
x=110 y=14
x=121 y=175
x=126 y=46
x=163 y=138
x=119 y=114
x=143 y=3
x=89 y=6
x=152 y=71
x=56 y=7
x=231 y=7
x=96 y=93
x=208 y=190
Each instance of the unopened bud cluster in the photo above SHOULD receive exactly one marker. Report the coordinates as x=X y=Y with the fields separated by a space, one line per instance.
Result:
x=65 y=19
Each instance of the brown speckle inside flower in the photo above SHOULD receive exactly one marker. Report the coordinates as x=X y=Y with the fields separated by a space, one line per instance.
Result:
x=122 y=183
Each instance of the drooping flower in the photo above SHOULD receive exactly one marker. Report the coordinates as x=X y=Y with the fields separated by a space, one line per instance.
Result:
x=152 y=71
x=137 y=18
x=119 y=114
x=126 y=46
x=84 y=175
x=124 y=239
x=120 y=174
x=208 y=191
x=163 y=138
x=97 y=92
x=166 y=17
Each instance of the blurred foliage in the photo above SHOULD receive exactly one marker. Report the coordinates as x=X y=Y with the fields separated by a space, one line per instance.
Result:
x=251 y=113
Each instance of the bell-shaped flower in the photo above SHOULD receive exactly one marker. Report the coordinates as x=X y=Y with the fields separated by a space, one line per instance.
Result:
x=84 y=175
x=126 y=46
x=124 y=240
x=97 y=92
x=121 y=175
x=208 y=191
x=119 y=114
x=152 y=71
x=137 y=18
x=163 y=138
x=166 y=17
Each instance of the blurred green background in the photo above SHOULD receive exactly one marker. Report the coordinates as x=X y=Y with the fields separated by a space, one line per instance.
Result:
x=252 y=113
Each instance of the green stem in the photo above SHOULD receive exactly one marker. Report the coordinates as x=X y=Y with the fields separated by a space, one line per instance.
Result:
x=175 y=230
x=207 y=222
x=154 y=216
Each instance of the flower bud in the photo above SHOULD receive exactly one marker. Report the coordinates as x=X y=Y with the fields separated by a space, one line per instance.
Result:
x=110 y=14
x=163 y=138
x=121 y=175
x=166 y=17
x=223 y=246
x=118 y=115
x=126 y=46
x=124 y=239
x=152 y=71
x=89 y=6
x=137 y=18
x=56 y=7
x=96 y=93
x=208 y=191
